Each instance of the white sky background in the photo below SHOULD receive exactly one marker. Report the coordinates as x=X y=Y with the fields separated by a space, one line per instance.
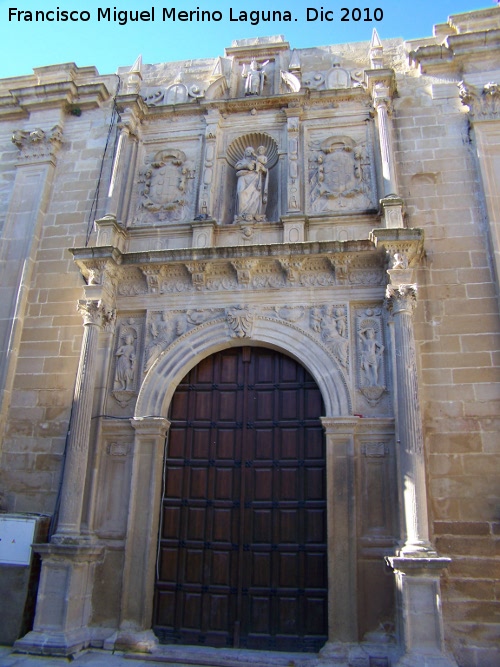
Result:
x=108 y=45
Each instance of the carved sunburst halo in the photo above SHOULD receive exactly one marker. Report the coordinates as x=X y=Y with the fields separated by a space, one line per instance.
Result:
x=236 y=149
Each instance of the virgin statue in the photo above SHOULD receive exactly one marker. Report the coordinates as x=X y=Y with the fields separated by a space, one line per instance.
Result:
x=251 y=191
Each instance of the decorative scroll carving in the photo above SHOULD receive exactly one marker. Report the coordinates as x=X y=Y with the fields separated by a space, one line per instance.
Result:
x=483 y=104
x=371 y=366
x=167 y=184
x=339 y=176
x=240 y=321
x=37 y=144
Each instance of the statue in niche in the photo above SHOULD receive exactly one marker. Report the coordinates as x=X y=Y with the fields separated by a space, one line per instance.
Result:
x=339 y=176
x=255 y=78
x=125 y=364
x=371 y=353
x=125 y=370
x=252 y=188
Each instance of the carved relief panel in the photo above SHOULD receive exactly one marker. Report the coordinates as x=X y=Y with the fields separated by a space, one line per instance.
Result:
x=372 y=375
x=341 y=176
x=166 y=187
x=125 y=372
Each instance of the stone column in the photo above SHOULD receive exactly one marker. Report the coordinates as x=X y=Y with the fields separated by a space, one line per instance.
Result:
x=401 y=302
x=121 y=167
x=341 y=531
x=381 y=103
x=142 y=536
x=381 y=85
x=417 y=567
x=63 y=604
x=75 y=466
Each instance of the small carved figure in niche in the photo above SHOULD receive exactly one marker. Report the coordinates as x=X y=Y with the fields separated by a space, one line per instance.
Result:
x=255 y=78
x=125 y=364
x=330 y=334
x=252 y=187
x=341 y=321
x=161 y=332
x=316 y=320
x=371 y=353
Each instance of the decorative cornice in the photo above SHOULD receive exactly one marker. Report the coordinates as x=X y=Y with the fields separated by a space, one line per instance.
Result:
x=274 y=266
x=20 y=102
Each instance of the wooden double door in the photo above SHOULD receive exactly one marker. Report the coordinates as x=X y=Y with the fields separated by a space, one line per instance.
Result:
x=242 y=558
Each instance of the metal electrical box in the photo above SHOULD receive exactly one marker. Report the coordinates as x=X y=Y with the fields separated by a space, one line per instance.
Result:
x=19 y=572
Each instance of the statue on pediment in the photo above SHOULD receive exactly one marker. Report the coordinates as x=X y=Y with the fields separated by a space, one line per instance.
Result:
x=255 y=78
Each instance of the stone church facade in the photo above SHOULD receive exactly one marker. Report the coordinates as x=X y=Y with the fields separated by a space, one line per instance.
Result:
x=249 y=349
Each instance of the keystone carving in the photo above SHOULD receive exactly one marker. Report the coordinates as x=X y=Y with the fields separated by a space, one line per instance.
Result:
x=240 y=320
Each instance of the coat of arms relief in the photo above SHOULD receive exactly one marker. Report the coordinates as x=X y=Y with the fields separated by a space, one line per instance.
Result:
x=340 y=176
x=166 y=188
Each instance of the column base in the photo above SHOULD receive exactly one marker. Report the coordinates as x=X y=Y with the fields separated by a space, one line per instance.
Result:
x=138 y=641
x=63 y=644
x=417 y=659
x=64 y=599
x=419 y=610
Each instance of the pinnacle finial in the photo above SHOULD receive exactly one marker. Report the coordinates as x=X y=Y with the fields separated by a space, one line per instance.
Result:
x=376 y=51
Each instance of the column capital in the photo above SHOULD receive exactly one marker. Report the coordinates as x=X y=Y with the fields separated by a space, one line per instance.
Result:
x=96 y=313
x=37 y=145
x=381 y=84
x=401 y=298
x=340 y=426
x=150 y=425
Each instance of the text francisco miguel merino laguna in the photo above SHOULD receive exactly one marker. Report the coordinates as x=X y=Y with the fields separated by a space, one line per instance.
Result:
x=122 y=17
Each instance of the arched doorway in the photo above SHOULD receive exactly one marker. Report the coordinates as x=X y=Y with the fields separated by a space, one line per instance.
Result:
x=242 y=558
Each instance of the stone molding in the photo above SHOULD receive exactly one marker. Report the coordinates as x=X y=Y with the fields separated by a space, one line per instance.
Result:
x=276 y=266
x=20 y=102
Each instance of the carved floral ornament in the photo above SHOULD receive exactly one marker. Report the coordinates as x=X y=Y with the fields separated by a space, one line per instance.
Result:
x=484 y=104
x=326 y=323
x=38 y=143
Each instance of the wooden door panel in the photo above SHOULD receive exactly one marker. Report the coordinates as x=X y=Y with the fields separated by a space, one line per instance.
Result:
x=244 y=509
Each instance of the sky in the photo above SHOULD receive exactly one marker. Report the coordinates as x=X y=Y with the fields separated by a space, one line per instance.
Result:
x=108 y=45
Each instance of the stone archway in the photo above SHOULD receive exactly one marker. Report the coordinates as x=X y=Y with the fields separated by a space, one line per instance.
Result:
x=151 y=425
x=242 y=557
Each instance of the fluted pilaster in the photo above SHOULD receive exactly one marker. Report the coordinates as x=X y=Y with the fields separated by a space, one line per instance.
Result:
x=401 y=302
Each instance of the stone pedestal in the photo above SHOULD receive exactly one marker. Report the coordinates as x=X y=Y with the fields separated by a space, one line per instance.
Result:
x=420 y=619
x=293 y=228
x=64 y=600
